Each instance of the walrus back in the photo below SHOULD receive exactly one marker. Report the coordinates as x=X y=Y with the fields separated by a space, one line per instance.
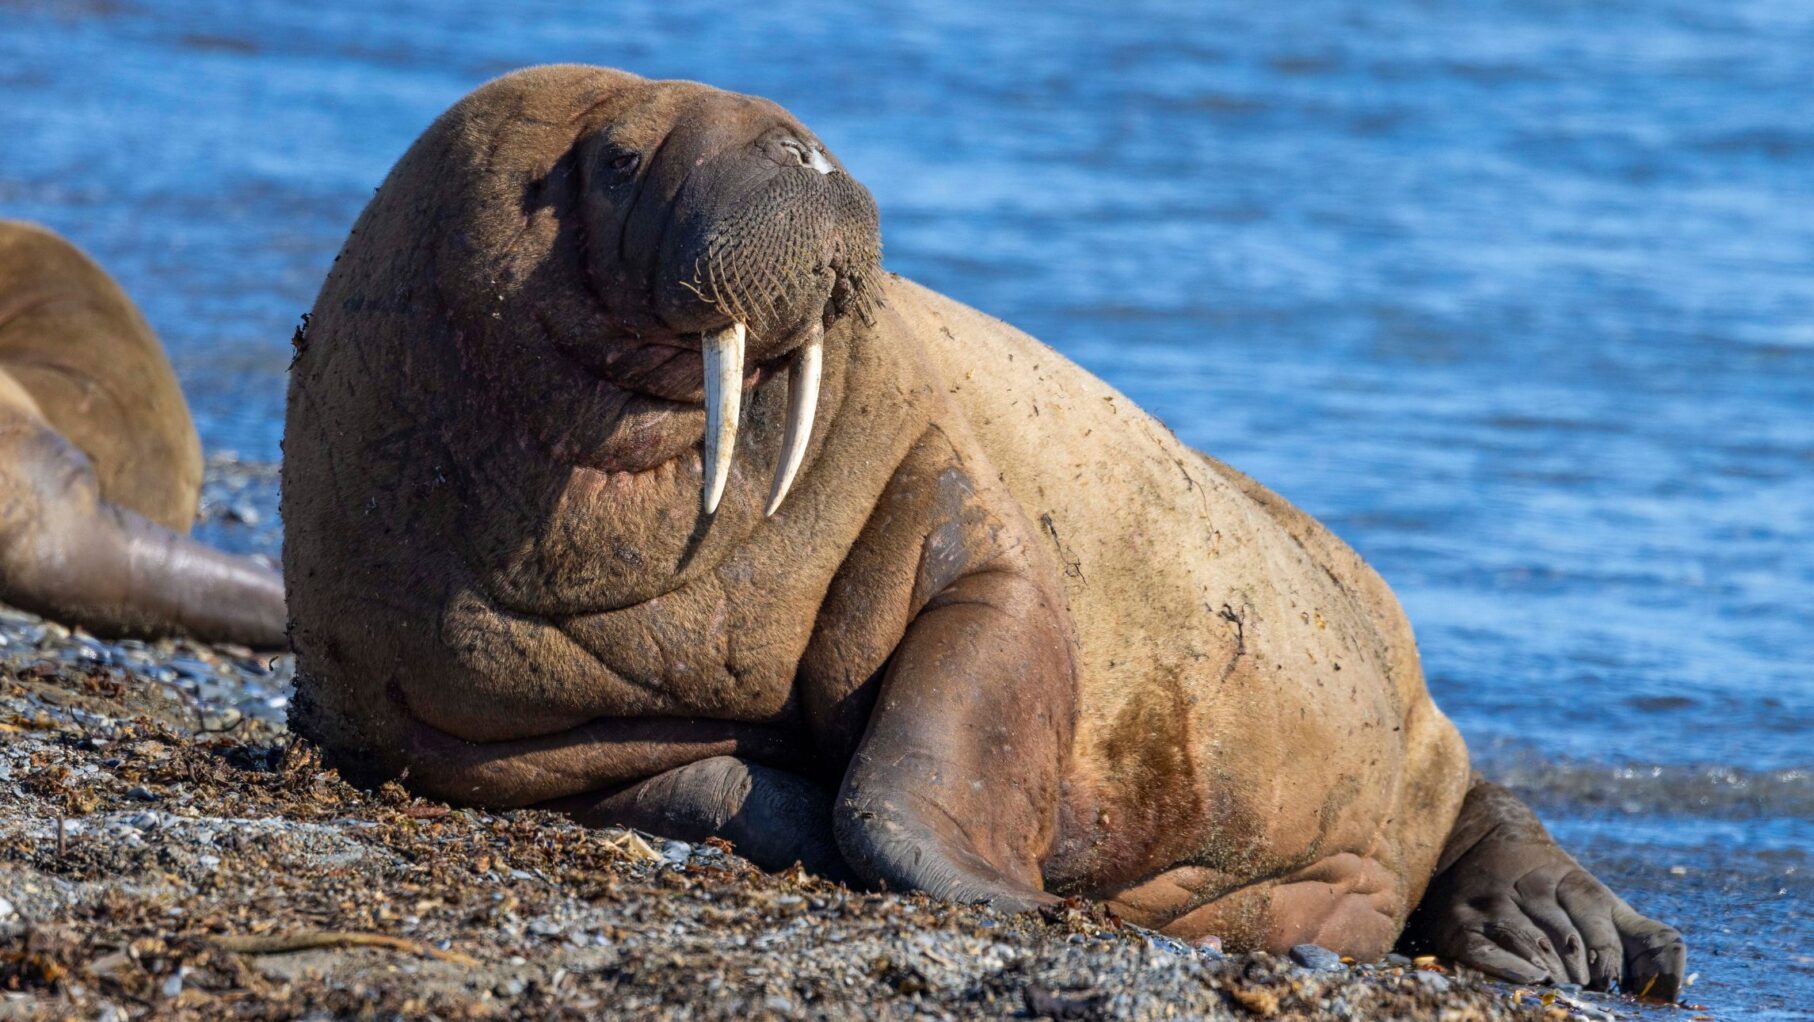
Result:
x=1138 y=519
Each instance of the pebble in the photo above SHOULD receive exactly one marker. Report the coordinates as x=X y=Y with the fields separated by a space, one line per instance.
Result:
x=189 y=667
x=1170 y=945
x=225 y=720
x=1317 y=958
x=1436 y=981
x=7 y=911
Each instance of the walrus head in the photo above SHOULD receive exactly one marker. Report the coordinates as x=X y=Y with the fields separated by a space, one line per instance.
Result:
x=719 y=235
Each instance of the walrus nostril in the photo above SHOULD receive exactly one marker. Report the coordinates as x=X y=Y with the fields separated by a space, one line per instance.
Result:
x=809 y=155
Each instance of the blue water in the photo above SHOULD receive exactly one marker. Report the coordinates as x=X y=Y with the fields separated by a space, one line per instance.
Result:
x=1517 y=295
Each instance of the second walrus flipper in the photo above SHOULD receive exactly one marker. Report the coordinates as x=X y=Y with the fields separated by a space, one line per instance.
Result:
x=70 y=555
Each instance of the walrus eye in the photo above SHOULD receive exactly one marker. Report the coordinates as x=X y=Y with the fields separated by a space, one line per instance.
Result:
x=626 y=163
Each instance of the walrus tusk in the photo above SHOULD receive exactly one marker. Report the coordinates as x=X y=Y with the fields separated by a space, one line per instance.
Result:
x=723 y=351
x=802 y=403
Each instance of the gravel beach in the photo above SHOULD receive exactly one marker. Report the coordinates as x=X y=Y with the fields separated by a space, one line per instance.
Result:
x=168 y=850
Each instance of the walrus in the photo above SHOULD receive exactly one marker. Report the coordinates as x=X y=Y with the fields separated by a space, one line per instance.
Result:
x=621 y=480
x=100 y=465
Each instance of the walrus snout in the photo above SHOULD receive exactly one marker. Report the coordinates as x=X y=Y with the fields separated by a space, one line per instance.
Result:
x=716 y=219
x=773 y=235
x=771 y=244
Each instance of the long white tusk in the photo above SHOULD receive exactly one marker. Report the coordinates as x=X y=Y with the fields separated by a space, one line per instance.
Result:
x=723 y=351
x=802 y=403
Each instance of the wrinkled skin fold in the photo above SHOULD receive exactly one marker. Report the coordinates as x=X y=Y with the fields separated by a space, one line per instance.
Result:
x=621 y=480
x=100 y=467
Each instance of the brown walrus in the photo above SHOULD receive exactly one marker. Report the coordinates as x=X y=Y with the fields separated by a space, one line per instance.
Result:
x=621 y=480
x=100 y=467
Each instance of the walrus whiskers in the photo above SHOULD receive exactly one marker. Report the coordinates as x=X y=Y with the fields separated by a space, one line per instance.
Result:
x=802 y=403
x=723 y=351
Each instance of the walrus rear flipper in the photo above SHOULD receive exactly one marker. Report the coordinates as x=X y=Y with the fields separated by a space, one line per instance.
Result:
x=68 y=554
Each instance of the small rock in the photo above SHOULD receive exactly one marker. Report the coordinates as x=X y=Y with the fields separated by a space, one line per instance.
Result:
x=191 y=668
x=1397 y=960
x=225 y=720
x=1043 y=1001
x=173 y=984
x=509 y=988
x=7 y=911
x=1436 y=981
x=139 y=793
x=115 y=966
x=1317 y=958
x=1170 y=945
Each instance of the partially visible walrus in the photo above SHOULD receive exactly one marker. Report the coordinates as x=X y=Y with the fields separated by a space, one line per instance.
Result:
x=621 y=480
x=100 y=467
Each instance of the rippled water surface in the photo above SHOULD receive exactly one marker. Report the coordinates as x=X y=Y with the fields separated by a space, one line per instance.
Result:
x=1517 y=295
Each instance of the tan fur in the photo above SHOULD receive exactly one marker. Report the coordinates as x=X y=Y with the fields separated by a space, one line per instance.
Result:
x=1214 y=615
x=73 y=342
x=100 y=465
x=1193 y=700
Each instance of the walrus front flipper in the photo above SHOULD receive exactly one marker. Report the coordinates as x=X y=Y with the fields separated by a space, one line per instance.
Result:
x=955 y=786
x=772 y=817
x=70 y=555
x=1507 y=900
